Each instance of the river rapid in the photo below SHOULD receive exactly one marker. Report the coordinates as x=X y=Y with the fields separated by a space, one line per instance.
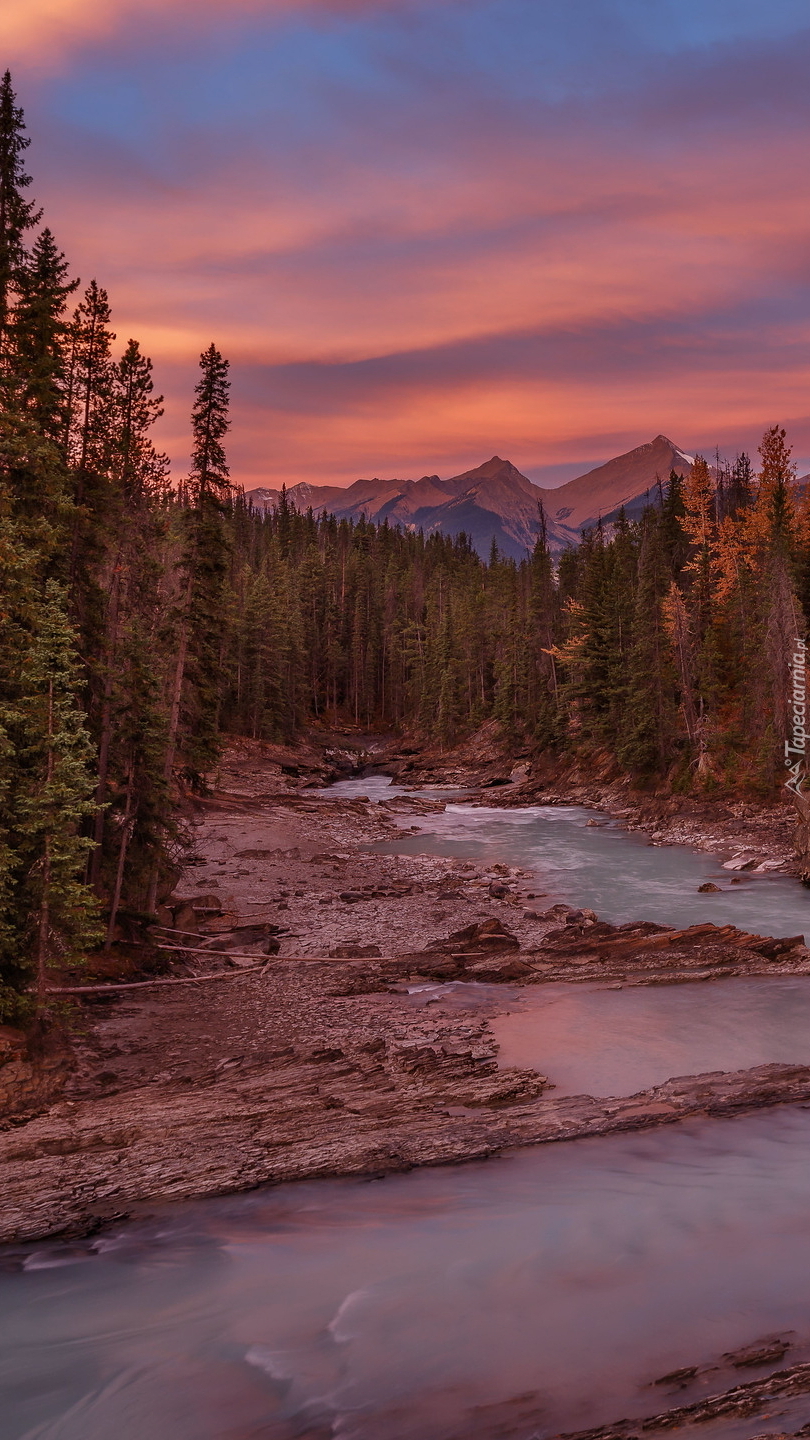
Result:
x=543 y=1291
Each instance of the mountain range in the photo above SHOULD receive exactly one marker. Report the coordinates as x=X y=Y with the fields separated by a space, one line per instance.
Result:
x=497 y=502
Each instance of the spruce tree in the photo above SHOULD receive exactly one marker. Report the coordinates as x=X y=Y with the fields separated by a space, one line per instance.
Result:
x=141 y=472
x=38 y=331
x=17 y=214
x=210 y=422
x=199 y=632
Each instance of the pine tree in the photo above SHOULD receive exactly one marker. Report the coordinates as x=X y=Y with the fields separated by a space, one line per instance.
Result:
x=210 y=423
x=38 y=331
x=91 y=379
x=128 y=546
x=141 y=473
x=204 y=568
x=17 y=214
x=544 y=613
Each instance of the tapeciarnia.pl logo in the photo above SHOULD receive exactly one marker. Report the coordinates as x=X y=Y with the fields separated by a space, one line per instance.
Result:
x=796 y=746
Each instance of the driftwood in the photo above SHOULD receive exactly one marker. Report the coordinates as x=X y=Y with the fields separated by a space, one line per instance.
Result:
x=141 y=984
x=223 y=974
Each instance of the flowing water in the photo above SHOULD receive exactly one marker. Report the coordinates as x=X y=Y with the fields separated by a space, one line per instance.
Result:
x=545 y=1290
x=618 y=874
x=592 y=1040
x=420 y=1307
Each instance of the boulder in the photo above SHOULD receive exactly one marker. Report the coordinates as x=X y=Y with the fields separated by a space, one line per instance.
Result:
x=259 y=939
x=556 y=912
x=198 y=902
x=478 y=939
x=496 y=969
x=31 y=1081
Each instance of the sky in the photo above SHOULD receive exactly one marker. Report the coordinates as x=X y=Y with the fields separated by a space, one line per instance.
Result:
x=428 y=231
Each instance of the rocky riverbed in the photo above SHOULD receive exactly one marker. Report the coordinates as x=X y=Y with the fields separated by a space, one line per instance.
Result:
x=294 y=1047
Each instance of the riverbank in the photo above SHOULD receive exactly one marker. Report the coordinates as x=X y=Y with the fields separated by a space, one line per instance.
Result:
x=301 y=1051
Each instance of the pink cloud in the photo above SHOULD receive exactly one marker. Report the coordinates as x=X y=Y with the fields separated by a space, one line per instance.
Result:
x=394 y=290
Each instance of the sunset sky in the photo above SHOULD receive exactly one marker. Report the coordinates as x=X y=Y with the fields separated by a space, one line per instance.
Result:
x=427 y=231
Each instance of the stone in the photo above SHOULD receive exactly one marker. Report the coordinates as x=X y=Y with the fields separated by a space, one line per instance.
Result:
x=677 y=1377
x=475 y=939
x=741 y=1401
x=186 y=918
x=556 y=912
x=762 y=1352
x=240 y=936
x=497 y=970
x=199 y=902
x=777 y=948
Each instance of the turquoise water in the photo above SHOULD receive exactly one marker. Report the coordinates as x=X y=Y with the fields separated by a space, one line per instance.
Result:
x=617 y=873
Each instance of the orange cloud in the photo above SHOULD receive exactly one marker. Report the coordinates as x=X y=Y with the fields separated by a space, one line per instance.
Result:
x=42 y=32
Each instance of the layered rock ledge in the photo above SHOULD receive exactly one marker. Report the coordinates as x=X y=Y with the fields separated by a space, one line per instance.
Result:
x=82 y=1165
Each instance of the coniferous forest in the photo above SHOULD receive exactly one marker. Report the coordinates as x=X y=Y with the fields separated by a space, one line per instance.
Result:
x=144 y=618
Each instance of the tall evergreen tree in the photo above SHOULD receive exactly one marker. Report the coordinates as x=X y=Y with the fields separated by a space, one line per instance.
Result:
x=204 y=568
x=38 y=330
x=57 y=754
x=17 y=214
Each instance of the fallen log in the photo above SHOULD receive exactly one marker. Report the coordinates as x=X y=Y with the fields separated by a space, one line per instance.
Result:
x=222 y=974
x=141 y=984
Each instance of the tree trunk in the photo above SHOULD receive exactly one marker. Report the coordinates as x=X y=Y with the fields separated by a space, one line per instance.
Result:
x=126 y=832
x=174 y=721
x=43 y=928
x=105 y=737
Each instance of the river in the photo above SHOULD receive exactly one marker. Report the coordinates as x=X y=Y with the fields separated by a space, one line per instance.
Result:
x=545 y=1290
x=586 y=859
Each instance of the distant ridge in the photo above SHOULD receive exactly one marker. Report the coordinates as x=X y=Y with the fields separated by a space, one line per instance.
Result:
x=496 y=501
